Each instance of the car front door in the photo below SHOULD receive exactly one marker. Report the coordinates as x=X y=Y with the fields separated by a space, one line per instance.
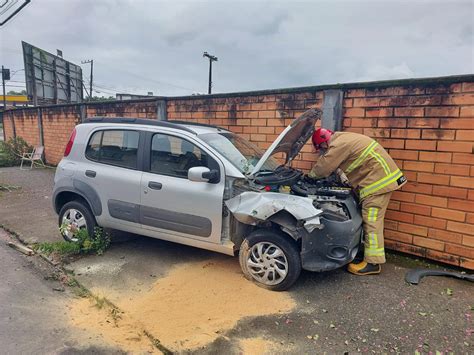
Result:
x=172 y=204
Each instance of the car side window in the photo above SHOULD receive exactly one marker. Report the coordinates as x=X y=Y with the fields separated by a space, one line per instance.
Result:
x=114 y=147
x=174 y=156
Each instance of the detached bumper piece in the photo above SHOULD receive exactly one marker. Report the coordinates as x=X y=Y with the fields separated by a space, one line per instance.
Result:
x=414 y=276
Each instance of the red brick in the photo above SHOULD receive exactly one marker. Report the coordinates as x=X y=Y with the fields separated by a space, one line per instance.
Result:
x=462 y=205
x=268 y=130
x=423 y=123
x=470 y=195
x=460 y=227
x=369 y=102
x=445 y=236
x=363 y=122
x=448 y=214
x=431 y=200
x=275 y=122
x=436 y=156
x=388 y=224
x=444 y=89
x=405 y=133
x=266 y=114
x=462 y=158
x=460 y=250
x=403 y=196
x=467 y=240
x=441 y=134
x=355 y=93
x=391 y=143
x=404 y=154
x=354 y=112
x=459 y=123
x=413 y=229
x=377 y=132
x=460 y=181
x=406 y=248
x=462 y=99
x=259 y=122
x=470 y=218
x=379 y=112
x=442 y=111
x=400 y=216
x=412 y=186
x=415 y=208
x=464 y=147
x=434 y=179
x=464 y=135
x=452 y=169
x=250 y=114
x=392 y=122
x=430 y=222
x=468 y=87
x=418 y=166
x=398 y=236
x=467 y=111
x=428 y=243
x=442 y=257
x=409 y=112
x=348 y=103
x=394 y=205
x=466 y=263
x=450 y=192
x=420 y=144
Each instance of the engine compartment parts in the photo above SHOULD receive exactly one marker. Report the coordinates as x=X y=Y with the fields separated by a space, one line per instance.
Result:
x=283 y=175
x=415 y=275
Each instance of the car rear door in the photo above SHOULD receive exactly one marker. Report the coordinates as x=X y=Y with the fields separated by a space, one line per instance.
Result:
x=112 y=167
x=172 y=204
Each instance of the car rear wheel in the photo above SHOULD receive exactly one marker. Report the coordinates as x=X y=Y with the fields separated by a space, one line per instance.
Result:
x=73 y=216
x=270 y=259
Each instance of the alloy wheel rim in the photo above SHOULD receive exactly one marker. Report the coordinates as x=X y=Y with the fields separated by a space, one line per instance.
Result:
x=267 y=263
x=73 y=220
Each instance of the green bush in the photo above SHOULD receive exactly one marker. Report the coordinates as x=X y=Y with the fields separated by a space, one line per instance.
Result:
x=12 y=150
x=97 y=243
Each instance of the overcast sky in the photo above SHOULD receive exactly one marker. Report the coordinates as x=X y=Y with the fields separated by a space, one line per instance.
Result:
x=141 y=46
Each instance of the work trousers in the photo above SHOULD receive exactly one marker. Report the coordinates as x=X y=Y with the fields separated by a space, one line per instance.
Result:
x=373 y=213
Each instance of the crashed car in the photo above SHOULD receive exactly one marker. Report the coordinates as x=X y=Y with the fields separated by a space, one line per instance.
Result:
x=207 y=187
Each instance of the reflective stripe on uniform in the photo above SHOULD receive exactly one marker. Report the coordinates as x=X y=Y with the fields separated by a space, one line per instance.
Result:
x=361 y=157
x=372 y=214
x=380 y=184
x=374 y=252
x=381 y=161
x=371 y=248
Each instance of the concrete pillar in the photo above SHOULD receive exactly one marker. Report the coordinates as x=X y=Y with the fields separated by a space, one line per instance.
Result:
x=161 y=110
x=332 y=110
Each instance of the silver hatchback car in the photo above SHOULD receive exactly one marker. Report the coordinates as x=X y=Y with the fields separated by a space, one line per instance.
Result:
x=207 y=187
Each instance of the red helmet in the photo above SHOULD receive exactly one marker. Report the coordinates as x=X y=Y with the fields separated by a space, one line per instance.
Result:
x=321 y=135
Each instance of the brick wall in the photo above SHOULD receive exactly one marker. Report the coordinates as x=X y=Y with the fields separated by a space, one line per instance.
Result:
x=426 y=125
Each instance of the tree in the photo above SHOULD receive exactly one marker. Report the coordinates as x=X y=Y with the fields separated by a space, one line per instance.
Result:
x=13 y=92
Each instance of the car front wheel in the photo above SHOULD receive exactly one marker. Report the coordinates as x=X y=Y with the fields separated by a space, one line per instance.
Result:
x=270 y=259
x=73 y=216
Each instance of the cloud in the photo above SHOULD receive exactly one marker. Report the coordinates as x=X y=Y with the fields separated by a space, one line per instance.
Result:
x=141 y=46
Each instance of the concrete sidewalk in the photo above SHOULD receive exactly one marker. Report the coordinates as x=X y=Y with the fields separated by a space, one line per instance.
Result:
x=28 y=210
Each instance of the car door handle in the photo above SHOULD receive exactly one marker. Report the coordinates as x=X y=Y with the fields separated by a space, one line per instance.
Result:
x=91 y=173
x=155 y=185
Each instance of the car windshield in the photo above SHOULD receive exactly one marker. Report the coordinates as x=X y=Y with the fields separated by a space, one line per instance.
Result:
x=239 y=151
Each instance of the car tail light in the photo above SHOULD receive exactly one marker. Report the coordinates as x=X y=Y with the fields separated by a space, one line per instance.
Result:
x=70 y=143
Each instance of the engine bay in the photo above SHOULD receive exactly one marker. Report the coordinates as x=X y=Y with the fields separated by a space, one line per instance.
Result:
x=328 y=194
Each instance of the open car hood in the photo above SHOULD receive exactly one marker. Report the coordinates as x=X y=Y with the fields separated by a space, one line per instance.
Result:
x=292 y=139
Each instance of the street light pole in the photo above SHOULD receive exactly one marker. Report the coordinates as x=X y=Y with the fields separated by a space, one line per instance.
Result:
x=91 y=61
x=212 y=58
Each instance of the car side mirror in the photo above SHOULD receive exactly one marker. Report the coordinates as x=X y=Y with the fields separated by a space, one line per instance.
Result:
x=202 y=174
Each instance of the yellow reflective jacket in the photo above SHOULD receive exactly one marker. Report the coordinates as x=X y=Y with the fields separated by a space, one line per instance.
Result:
x=367 y=165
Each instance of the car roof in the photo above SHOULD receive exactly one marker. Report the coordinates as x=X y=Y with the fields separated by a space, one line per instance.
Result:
x=191 y=127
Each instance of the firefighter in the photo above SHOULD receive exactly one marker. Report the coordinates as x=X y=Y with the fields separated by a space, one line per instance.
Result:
x=372 y=173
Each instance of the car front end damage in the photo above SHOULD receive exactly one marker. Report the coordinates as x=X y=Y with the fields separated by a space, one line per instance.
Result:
x=322 y=218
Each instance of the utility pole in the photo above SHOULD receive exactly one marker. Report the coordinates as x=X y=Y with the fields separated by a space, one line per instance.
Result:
x=5 y=76
x=92 y=72
x=212 y=58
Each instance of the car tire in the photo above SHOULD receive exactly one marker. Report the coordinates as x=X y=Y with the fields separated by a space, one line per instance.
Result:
x=273 y=250
x=79 y=213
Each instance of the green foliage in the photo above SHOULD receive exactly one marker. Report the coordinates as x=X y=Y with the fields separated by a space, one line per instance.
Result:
x=85 y=244
x=12 y=150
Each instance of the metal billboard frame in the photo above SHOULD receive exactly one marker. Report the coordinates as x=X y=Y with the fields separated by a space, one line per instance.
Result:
x=51 y=79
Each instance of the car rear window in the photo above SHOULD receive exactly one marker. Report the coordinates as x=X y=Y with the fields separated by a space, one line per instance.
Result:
x=114 y=147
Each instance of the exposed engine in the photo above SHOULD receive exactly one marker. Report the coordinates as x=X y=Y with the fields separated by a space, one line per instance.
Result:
x=328 y=193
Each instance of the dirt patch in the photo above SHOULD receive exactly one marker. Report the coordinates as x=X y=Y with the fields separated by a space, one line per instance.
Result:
x=197 y=302
x=119 y=330
x=256 y=346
